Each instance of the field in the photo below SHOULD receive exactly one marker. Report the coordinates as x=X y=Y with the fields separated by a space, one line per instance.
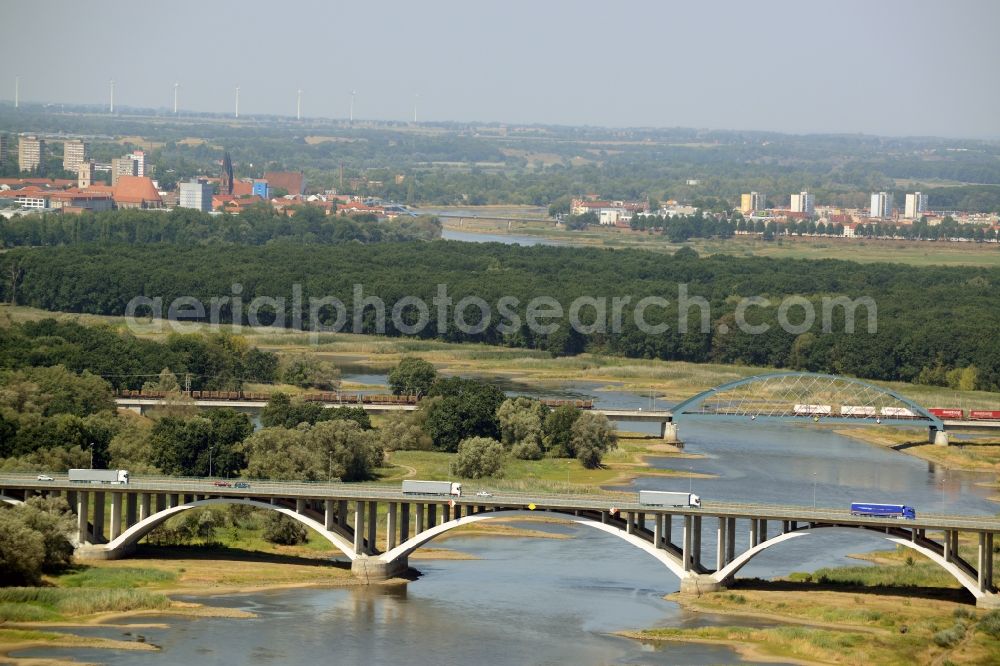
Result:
x=916 y=253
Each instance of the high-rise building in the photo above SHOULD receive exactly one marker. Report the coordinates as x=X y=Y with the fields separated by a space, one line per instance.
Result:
x=85 y=175
x=74 y=154
x=881 y=205
x=31 y=153
x=3 y=149
x=122 y=166
x=196 y=194
x=803 y=202
x=139 y=157
x=916 y=205
x=753 y=202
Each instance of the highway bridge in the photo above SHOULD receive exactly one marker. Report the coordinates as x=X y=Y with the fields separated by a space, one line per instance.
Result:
x=376 y=527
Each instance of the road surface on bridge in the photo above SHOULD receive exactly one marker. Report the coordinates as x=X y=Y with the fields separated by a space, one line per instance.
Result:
x=496 y=499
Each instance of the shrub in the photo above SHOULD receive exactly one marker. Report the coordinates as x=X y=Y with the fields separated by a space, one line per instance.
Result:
x=948 y=637
x=526 y=450
x=989 y=624
x=478 y=457
x=282 y=530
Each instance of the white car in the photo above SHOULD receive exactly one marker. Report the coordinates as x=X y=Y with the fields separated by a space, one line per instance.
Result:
x=483 y=493
x=45 y=477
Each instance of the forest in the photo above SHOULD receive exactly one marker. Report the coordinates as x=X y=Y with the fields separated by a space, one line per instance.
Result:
x=930 y=320
x=255 y=226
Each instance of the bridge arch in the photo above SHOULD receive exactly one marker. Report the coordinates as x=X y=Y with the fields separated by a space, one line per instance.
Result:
x=802 y=396
x=404 y=549
x=133 y=534
x=10 y=500
x=959 y=574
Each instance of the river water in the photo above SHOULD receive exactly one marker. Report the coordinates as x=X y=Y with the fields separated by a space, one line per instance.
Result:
x=506 y=239
x=549 y=601
x=526 y=601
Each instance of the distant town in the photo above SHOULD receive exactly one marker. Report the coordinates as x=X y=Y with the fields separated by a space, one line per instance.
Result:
x=128 y=182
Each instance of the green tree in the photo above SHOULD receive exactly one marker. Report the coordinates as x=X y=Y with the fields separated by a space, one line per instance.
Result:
x=189 y=447
x=51 y=518
x=412 y=376
x=467 y=408
x=558 y=431
x=401 y=432
x=331 y=449
x=22 y=552
x=308 y=371
x=166 y=382
x=592 y=435
x=520 y=421
x=478 y=457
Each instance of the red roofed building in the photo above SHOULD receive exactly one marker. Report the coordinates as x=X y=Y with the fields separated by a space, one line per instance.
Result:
x=74 y=200
x=242 y=188
x=358 y=207
x=292 y=181
x=136 y=192
x=46 y=182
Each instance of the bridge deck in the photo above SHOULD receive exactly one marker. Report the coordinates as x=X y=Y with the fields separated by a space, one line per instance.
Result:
x=501 y=499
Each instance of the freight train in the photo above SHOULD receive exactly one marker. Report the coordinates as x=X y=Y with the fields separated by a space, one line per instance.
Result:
x=955 y=414
x=867 y=412
x=328 y=397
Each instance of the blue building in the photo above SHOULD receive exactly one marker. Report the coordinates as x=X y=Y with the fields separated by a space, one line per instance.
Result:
x=260 y=189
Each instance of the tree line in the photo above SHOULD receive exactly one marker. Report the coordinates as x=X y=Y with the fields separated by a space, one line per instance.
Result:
x=927 y=317
x=257 y=225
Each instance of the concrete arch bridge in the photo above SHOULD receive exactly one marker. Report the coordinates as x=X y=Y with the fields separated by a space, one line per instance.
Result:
x=377 y=528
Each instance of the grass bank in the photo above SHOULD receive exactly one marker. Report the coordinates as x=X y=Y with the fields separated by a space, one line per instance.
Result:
x=824 y=624
x=915 y=253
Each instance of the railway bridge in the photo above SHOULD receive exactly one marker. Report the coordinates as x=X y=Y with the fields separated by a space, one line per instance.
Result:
x=378 y=527
x=788 y=397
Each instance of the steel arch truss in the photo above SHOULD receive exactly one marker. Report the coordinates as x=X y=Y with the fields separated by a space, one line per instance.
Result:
x=805 y=397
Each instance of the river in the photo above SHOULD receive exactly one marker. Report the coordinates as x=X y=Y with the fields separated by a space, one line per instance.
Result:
x=526 y=601
x=548 y=601
x=506 y=239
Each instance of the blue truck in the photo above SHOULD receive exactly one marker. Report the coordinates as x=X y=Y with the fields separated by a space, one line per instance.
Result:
x=883 y=510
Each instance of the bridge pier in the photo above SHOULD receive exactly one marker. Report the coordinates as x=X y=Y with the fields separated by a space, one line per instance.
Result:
x=668 y=432
x=698 y=584
x=938 y=437
x=82 y=522
x=359 y=528
x=375 y=570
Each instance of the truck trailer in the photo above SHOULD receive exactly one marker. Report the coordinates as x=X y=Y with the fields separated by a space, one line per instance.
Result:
x=116 y=476
x=883 y=510
x=664 y=498
x=432 y=488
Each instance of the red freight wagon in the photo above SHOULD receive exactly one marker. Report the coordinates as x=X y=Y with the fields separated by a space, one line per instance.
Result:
x=946 y=412
x=985 y=414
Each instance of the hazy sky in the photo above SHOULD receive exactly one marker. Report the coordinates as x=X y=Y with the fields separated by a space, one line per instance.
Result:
x=874 y=66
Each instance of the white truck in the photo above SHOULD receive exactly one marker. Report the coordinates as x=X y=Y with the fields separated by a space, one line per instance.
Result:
x=664 y=498
x=432 y=488
x=114 y=476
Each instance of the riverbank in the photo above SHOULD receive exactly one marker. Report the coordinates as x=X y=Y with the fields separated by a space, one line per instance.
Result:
x=864 y=250
x=971 y=453
x=838 y=623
